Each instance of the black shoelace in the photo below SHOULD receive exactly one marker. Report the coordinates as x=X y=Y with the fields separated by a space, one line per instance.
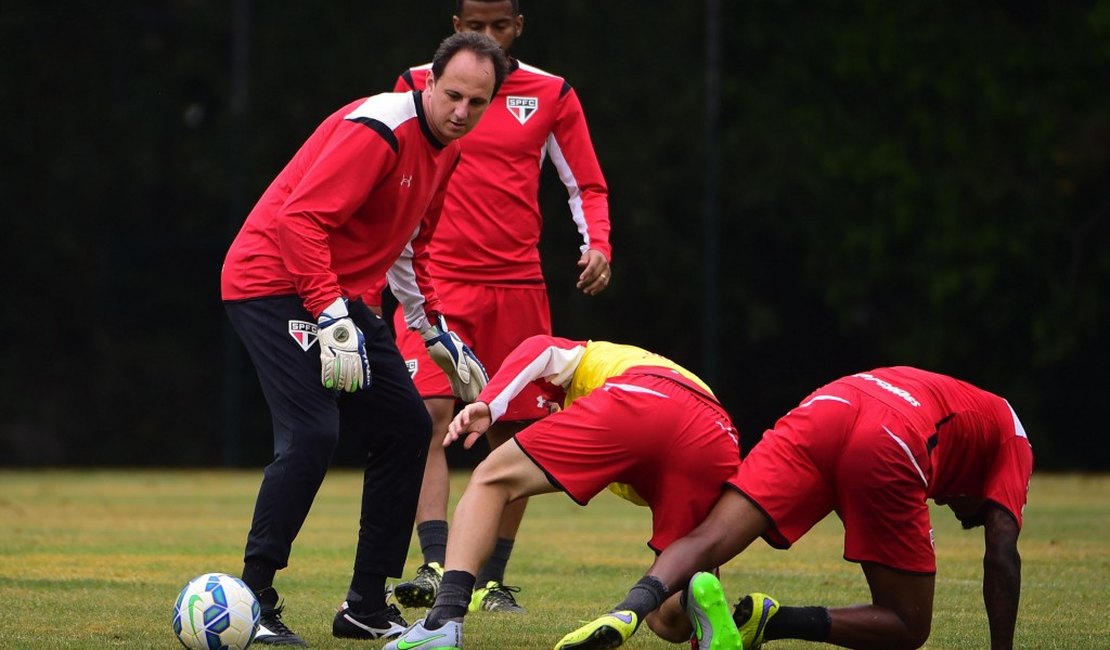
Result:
x=272 y=620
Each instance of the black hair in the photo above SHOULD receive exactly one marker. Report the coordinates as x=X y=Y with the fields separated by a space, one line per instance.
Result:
x=483 y=47
x=515 y=3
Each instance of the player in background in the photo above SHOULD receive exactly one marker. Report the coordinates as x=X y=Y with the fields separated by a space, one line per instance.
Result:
x=872 y=447
x=629 y=417
x=361 y=196
x=494 y=294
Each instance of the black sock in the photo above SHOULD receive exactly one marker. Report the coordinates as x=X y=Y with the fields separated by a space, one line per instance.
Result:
x=452 y=600
x=433 y=540
x=805 y=623
x=267 y=598
x=260 y=577
x=367 y=593
x=644 y=597
x=494 y=568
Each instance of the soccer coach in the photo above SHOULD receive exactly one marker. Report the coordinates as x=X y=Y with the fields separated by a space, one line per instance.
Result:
x=361 y=197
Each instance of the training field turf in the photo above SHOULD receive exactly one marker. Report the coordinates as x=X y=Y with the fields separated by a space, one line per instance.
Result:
x=94 y=559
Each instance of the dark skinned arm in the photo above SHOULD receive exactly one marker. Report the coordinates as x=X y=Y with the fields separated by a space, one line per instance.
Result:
x=1001 y=575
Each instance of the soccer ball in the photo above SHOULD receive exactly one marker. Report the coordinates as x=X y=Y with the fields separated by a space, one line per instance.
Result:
x=216 y=611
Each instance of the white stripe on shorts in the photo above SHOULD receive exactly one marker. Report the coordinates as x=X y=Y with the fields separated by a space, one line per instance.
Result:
x=632 y=388
x=906 y=448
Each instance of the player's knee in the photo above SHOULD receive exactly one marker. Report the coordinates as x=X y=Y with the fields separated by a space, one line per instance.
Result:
x=918 y=637
x=499 y=475
x=915 y=634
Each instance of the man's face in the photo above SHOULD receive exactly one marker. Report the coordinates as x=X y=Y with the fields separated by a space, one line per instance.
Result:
x=455 y=101
x=494 y=19
x=969 y=510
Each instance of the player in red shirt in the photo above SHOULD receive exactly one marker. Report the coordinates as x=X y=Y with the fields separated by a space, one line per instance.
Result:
x=360 y=197
x=872 y=447
x=493 y=294
x=629 y=417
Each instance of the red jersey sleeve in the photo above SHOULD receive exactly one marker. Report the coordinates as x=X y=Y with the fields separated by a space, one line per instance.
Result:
x=550 y=359
x=336 y=183
x=572 y=153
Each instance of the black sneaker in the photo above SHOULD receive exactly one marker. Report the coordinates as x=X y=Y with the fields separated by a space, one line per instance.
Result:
x=383 y=624
x=272 y=631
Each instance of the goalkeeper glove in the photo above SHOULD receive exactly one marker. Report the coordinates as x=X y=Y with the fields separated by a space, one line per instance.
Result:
x=343 y=361
x=464 y=371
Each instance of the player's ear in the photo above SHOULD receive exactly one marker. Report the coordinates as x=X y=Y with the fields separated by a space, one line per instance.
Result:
x=519 y=25
x=456 y=23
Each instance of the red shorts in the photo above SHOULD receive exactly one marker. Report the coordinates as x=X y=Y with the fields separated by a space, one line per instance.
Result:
x=675 y=448
x=843 y=451
x=493 y=321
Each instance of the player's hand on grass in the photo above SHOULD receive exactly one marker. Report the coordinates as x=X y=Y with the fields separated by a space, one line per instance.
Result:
x=464 y=371
x=595 y=274
x=471 y=422
x=343 y=361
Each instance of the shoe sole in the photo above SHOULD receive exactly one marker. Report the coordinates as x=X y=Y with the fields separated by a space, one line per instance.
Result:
x=602 y=638
x=266 y=640
x=411 y=596
x=359 y=633
x=710 y=598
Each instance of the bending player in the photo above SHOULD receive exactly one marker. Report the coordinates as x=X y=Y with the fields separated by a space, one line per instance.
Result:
x=872 y=447
x=629 y=417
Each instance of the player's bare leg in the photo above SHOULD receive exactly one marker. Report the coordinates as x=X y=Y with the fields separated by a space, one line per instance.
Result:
x=436 y=488
x=729 y=528
x=506 y=475
x=900 y=615
x=492 y=594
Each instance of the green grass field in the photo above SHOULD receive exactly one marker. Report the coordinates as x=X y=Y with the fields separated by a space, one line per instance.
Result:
x=94 y=559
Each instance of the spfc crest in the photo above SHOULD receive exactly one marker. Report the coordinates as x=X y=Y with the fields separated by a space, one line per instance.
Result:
x=412 y=366
x=304 y=333
x=522 y=108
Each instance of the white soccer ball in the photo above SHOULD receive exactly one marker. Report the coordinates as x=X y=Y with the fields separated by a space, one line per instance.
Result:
x=216 y=611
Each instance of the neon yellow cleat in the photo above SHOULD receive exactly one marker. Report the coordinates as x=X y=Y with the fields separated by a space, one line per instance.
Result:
x=709 y=613
x=753 y=624
x=609 y=631
x=495 y=597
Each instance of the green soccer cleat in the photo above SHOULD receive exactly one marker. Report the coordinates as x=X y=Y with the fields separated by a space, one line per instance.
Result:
x=709 y=613
x=609 y=631
x=753 y=625
x=418 y=637
x=495 y=597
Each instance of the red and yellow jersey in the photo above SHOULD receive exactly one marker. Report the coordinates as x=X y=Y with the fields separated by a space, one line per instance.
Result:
x=364 y=190
x=491 y=224
x=574 y=369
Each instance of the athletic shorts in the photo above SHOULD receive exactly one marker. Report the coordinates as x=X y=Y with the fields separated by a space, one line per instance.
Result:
x=842 y=451
x=493 y=321
x=674 y=447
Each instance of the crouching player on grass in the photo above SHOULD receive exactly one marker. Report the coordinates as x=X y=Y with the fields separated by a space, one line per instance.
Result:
x=629 y=417
x=872 y=447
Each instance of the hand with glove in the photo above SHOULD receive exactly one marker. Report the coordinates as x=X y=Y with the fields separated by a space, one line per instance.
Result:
x=465 y=372
x=343 y=361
